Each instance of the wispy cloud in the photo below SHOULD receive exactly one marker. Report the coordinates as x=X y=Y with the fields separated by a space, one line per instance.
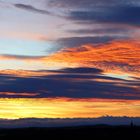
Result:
x=90 y=3
x=24 y=6
x=18 y=94
x=31 y=9
x=102 y=31
x=119 y=56
x=121 y=12
x=77 y=41
x=116 y=56
x=123 y=15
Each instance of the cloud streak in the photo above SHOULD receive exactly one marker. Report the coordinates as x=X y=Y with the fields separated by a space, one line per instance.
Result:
x=83 y=40
x=91 y=3
x=71 y=83
x=121 y=12
x=101 y=31
x=122 y=15
x=32 y=9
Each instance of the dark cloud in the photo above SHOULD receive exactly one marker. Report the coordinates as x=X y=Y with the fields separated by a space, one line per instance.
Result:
x=123 y=15
x=111 y=11
x=31 y=8
x=71 y=83
x=81 y=70
x=107 y=30
x=116 y=17
x=78 y=41
x=90 y=3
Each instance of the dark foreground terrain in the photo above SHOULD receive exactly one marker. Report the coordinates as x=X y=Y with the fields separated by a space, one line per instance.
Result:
x=85 y=132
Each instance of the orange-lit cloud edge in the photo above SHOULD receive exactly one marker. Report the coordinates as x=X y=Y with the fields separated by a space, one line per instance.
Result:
x=117 y=57
x=114 y=57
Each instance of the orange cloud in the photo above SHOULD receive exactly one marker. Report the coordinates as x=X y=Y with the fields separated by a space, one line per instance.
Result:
x=25 y=73
x=19 y=94
x=117 y=56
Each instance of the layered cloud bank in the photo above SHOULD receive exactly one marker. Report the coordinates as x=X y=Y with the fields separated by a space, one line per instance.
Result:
x=108 y=70
x=81 y=82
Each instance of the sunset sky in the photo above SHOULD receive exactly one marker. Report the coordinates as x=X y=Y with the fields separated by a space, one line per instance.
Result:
x=69 y=58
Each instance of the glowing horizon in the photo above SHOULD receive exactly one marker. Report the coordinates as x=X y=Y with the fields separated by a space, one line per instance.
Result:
x=66 y=108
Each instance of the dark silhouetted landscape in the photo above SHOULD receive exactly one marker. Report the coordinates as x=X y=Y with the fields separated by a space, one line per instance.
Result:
x=81 y=132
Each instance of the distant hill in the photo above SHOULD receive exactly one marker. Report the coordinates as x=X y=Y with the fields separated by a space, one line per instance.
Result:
x=57 y=122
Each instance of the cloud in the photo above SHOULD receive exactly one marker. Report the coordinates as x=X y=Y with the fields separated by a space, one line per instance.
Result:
x=113 y=11
x=108 y=31
x=78 y=41
x=71 y=83
x=117 y=56
x=31 y=9
x=26 y=73
x=28 y=6
x=122 y=15
x=90 y=3
x=81 y=70
x=13 y=94
x=121 y=57
x=87 y=92
x=19 y=57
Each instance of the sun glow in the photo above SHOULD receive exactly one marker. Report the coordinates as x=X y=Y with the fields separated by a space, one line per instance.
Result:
x=66 y=108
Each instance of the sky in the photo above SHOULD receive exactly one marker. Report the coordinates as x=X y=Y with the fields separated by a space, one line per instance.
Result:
x=69 y=59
